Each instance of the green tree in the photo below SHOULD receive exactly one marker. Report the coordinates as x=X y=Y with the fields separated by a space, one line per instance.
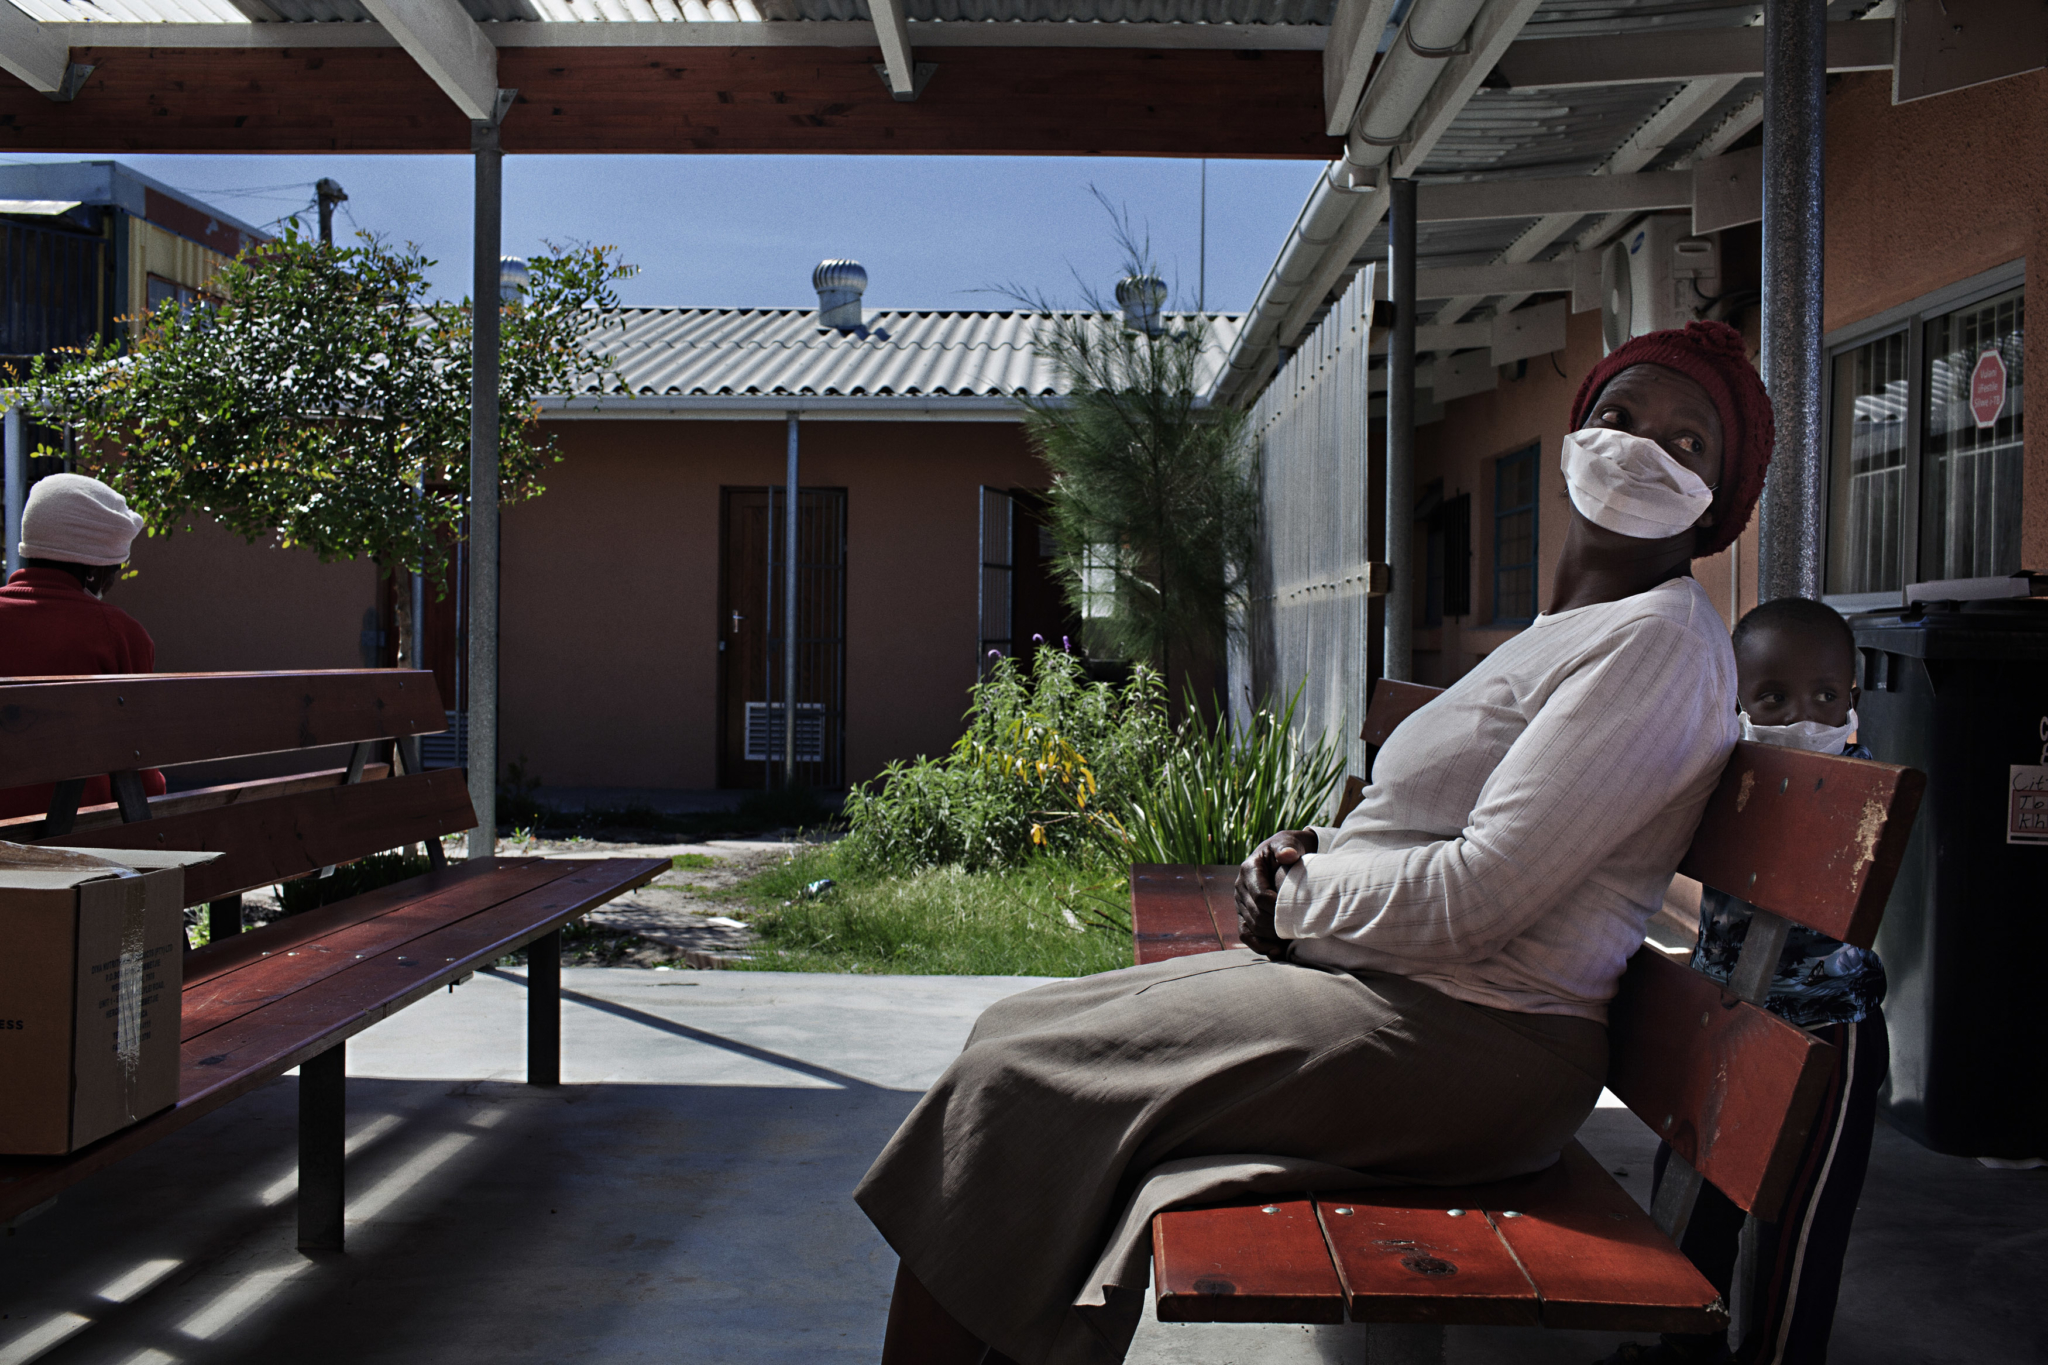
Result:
x=1153 y=499
x=324 y=398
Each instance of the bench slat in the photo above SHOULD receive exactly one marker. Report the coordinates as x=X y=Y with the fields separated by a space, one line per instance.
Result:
x=61 y=728
x=26 y=829
x=265 y=842
x=1202 y=1273
x=1732 y=1088
x=1812 y=837
x=1597 y=1259
x=300 y=1031
x=1219 y=894
x=230 y=954
x=293 y=967
x=285 y=1032
x=1169 y=915
x=1403 y=1258
x=1393 y=702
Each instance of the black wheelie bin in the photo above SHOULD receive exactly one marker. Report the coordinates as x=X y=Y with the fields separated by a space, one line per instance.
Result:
x=1960 y=691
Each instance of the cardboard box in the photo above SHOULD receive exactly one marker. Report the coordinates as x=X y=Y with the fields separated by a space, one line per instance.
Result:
x=90 y=978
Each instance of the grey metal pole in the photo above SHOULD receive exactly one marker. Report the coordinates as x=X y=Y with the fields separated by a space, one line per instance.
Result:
x=17 y=482
x=1398 y=659
x=483 y=493
x=789 y=618
x=1790 y=526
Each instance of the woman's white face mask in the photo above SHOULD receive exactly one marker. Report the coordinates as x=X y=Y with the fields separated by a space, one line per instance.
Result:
x=1809 y=735
x=1631 y=485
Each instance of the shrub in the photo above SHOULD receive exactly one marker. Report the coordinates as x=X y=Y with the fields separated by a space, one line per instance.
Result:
x=1049 y=740
x=1221 y=793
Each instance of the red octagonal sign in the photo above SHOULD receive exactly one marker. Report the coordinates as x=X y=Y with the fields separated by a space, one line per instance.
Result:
x=1987 y=389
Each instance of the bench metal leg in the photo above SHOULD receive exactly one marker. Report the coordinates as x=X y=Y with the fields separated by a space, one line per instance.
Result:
x=1404 y=1343
x=223 y=918
x=544 y=1010
x=323 y=1106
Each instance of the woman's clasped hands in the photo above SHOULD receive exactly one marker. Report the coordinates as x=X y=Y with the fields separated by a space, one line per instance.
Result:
x=1258 y=889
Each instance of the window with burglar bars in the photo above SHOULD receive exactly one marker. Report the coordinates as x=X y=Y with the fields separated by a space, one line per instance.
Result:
x=1926 y=429
x=1514 y=538
x=998 y=574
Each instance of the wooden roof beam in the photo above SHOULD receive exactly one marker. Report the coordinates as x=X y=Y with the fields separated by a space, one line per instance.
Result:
x=892 y=33
x=1355 y=30
x=1676 y=55
x=449 y=46
x=29 y=51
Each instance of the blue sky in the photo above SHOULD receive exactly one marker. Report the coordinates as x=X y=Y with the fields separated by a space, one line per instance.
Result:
x=746 y=230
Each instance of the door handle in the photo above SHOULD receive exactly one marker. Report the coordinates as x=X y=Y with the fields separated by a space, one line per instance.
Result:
x=736 y=619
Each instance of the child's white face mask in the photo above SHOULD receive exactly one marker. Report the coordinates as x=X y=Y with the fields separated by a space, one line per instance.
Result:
x=1809 y=735
x=1631 y=485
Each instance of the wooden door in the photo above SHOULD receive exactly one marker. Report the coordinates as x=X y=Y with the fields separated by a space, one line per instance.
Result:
x=750 y=626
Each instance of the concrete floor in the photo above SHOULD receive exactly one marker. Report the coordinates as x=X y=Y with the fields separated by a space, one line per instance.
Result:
x=683 y=1197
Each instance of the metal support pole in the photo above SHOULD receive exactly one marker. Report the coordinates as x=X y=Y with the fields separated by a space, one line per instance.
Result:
x=1398 y=661
x=1790 y=525
x=223 y=918
x=17 y=482
x=323 y=1114
x=483 y=493
x=789 y=619
x=544 y=1010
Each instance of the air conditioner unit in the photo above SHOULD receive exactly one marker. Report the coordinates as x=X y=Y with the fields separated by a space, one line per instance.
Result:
x=1657 y=275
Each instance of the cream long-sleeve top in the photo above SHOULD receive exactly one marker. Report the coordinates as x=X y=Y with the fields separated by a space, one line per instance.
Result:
x=1522 y=827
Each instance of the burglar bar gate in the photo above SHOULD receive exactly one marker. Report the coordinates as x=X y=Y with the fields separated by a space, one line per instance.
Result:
x=1308 y=620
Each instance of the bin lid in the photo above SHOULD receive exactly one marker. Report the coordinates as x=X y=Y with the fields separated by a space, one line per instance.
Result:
x=1996 y=628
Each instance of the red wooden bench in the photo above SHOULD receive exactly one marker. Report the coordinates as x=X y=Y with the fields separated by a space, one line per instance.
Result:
x=1809 y=839
x=292 y=993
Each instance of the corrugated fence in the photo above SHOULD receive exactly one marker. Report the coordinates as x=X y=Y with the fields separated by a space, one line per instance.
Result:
x=1307 y=624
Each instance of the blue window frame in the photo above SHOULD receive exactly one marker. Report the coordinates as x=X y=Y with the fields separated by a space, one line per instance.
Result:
x=1514 y=538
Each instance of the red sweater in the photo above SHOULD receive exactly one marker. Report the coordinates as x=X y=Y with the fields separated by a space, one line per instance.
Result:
x=51 y=627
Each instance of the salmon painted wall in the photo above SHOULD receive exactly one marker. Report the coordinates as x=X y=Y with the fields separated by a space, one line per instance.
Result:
x=609 y=620
x=1924 y=194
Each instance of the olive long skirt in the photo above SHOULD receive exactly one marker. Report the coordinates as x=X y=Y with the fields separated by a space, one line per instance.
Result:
x=1021 y=1187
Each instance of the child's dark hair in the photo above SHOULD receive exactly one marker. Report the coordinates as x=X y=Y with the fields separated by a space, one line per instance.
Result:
x=1795 y=613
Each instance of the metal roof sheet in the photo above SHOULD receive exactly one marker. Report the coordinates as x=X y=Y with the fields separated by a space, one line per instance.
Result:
x=768 y=352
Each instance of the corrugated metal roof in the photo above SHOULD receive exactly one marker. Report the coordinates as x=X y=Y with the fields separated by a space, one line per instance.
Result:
x=783 y=352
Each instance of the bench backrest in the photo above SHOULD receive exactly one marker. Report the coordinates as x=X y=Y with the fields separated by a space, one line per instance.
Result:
x=1810 y=837
x=63 y=730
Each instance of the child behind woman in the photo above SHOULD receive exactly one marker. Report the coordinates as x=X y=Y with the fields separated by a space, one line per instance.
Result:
x=1795 y=663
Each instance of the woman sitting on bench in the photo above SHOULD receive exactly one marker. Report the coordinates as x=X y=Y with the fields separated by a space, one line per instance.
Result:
x=1422 y=998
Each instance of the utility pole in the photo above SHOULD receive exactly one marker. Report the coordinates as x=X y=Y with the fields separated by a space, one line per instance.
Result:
x=329 y=194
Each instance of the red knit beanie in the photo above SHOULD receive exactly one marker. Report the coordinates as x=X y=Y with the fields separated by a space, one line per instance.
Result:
x=1712 y=355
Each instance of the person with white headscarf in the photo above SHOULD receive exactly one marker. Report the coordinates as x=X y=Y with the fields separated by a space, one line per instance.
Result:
x=54 y=621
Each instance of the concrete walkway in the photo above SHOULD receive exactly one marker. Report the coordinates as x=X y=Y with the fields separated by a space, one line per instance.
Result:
x=683 y=1197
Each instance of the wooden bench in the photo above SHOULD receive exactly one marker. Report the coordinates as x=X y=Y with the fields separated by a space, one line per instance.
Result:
x=1809 y=839
x=292 y=993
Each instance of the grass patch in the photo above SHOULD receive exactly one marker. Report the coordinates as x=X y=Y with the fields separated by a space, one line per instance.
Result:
x=1045 y=918
x=687 y=861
